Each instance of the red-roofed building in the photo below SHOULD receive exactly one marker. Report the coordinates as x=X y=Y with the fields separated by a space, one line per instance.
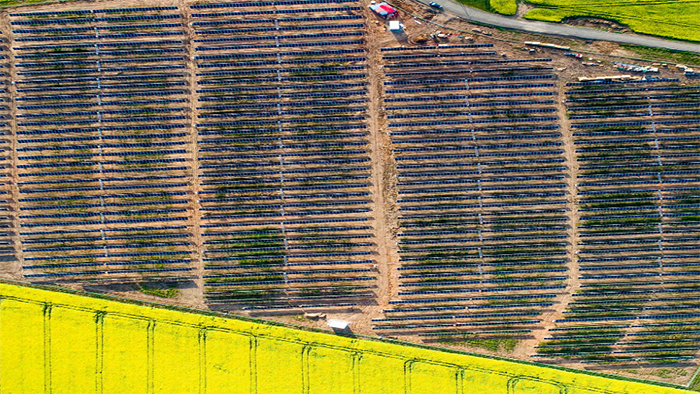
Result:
x=384 y=10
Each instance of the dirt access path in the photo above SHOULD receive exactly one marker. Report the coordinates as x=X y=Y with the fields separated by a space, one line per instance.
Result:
x=572 y=283
x=383 y=176
x=193 y=295
x=11 y=268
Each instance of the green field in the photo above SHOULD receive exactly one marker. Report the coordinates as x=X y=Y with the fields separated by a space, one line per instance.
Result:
x=679 y=19
x=505 y=7
x=10 y=3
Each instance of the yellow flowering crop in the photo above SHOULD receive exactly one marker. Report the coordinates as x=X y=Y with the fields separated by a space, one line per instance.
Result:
x=56 y=342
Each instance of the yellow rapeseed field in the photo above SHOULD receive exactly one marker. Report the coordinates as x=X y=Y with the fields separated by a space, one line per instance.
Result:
x=667 y=18
x=56 y=342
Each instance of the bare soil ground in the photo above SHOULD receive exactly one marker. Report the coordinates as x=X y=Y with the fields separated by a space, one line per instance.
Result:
x=596 y=23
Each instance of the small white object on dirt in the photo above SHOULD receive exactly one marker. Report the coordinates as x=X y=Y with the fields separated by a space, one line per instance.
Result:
x=417 y=21
x=338 y=324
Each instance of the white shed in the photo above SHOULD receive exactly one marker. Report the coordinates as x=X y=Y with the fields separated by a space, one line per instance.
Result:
x=338 y=324
x=394 y=26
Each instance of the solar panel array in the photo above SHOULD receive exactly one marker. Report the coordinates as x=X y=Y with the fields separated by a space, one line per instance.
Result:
x=269 y=201
x=481 y=192
x=284 y=166
x=103 y=151
x=639 y=225
x=7 y=230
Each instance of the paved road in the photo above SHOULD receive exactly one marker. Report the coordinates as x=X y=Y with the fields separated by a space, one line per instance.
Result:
x=477 y=15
